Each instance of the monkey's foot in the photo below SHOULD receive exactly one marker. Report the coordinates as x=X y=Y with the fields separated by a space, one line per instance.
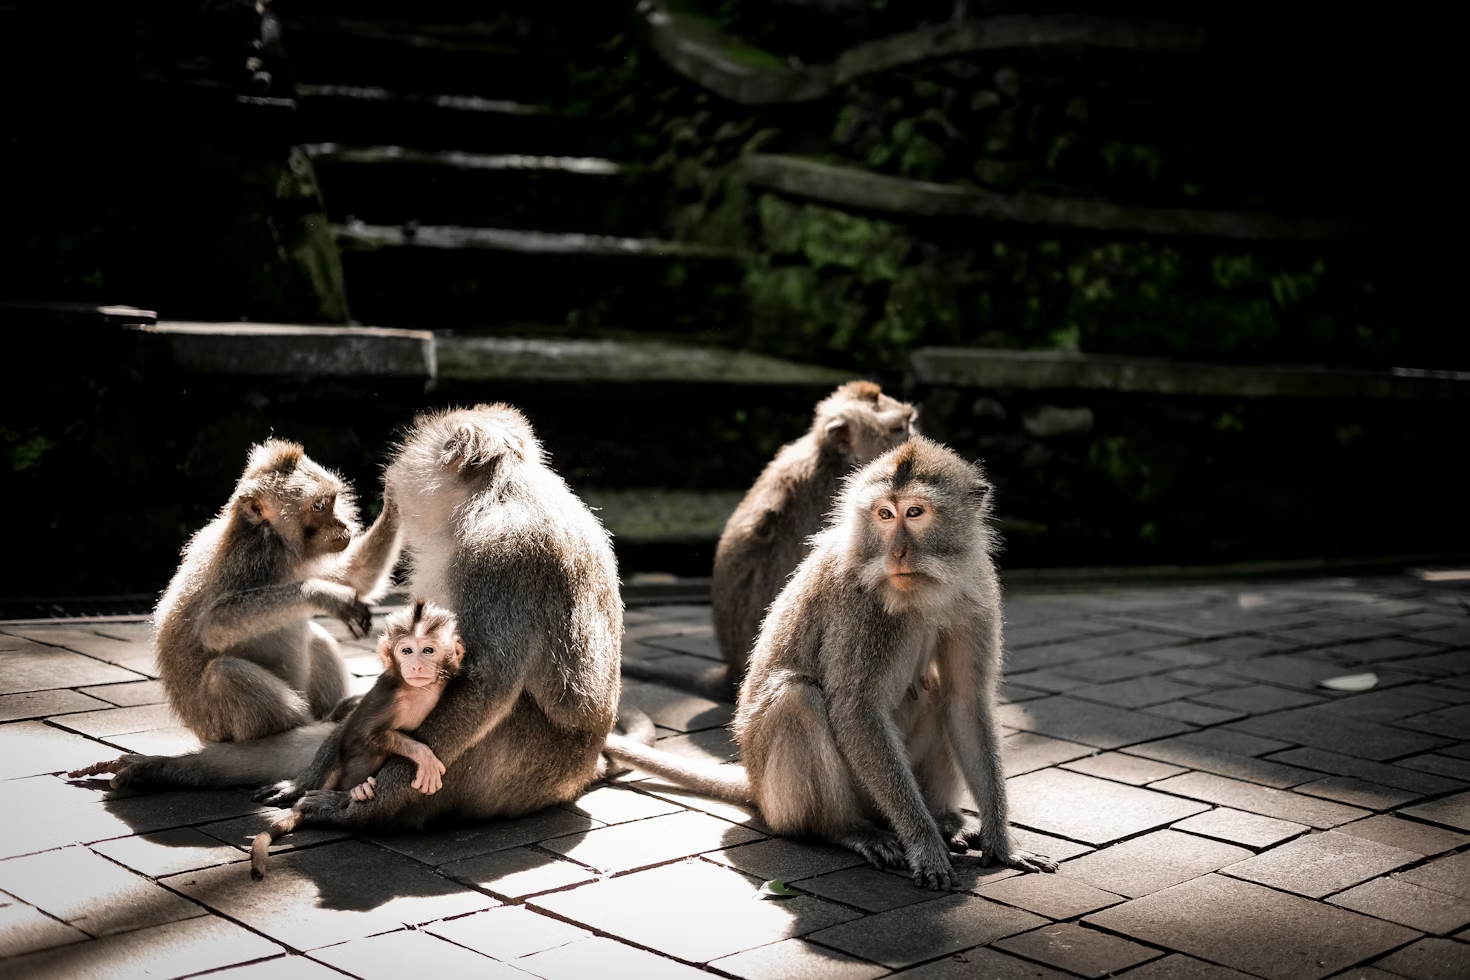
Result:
x=97 y=769
x=1020 y=860
x=325 y=807
x=881 y=848
x=138 y=769
x=959 y=830
x=283 y=794
x=930 y=867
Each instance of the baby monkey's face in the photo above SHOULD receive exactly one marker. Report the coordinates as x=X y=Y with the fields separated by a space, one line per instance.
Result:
x=422 y=659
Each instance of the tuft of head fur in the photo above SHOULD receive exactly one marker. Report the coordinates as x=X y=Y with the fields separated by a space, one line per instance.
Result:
x=423 y=618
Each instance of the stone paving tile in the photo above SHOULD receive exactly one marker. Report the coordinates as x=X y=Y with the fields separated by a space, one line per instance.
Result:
x=1236 y=648
x=1053 y=847
x=1091 y=724
x=1026 y=752
x=611 y=804
x=1037 y=634
x=1313 y=727
x=1123 y=768
x=1271 y=934
x=1177 y=966
x=1010 y=693
x=647 y=842
x=144 y=812
x=1385 y=649
x=917 y=933
x=1452 y=811
x=1139 y=692
x=29 y=748
x=1409 y=834
x=1451 y=636
x=677 y=710
x=1320 y=864
x=508 y=933
x=1056 y=896
x=168 y=852
x=1049 y=681
x=1439 y=665
x=1182 y=657
x=91 y=893
x=605 y=958
x=1193 y=714
x=789 y=860
x=1078 y=950
x=746 y=816
x=988 y=964
x=1357 y=792
x=1239 y=827
x=239 y=832
x=161 y=741
x=1375 y=772
x=171 y=950
x=34 y=667
x=695 y=644
x=408 y=953
x=457 y=843
x=25 y=929
x=39 y=704
x=715 y=745
x=1430 y=959
x=1109 y=670
x=325 y=895
x=119 y=721
x=1450 y=875
x=41 y=813
x=1443 y=765
x=1092 y=810
x=1155 y=861
x=1192 y=755
x=515 y=873
x=797 y=959
x=1207 y=677
x=718 y=914
x=1303 y=671
x=1407 y=904
x=1383 y=706
x=1327 y=634
x=1453 y=722
x=1322 y=814
x=132 y=655
x=1436 y=691
x=868 y=889
x=1257 y=699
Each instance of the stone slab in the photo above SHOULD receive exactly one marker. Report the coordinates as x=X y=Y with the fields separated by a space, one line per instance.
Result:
x=647 y=842
x=517 y=872
x=1430 y=959
x=677 y=710
x=1194 y=714
x=1239 y=827
x=1408 y=834
x=1207 y=758
x=1411 y=905
x=1375 y=772
x=868 y=889
x=240 y=832
x=119 y=721
x=1314 y=727
x=1078 y=950
x=1123 y=768
x=39 y=668
x=172 y=950
x=1304 y=672
x=1110 y=672
x=605 y=958
x=1448 y=766
x=987 y=964
x=1088 y=809
x=1026 y=752
x=789 y=860
x=1257 y=699
x=91 y=893
x=168 y=852
x=922 y=932
x=394 y=955
x=1319 y=864
x=1281 y=804
x=39 y=704
x=30 y=748
x=1091 y=724
x=1177 y=966
x=1139 y=692
x=458 y=843
x=508 y=933
x=1155 y=861
x=611 y=805
x=325 y=895
x=797 y=959
x=1053 y=847
x=1272 y=934
x=1056 y=896
x=25 y=929
x=1450 y=875
x=1357 y=792
x=1452 y=811
x=718 y=914
x=129 y=694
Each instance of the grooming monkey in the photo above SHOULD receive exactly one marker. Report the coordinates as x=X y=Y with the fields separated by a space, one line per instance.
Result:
x=495 y=535
x=421 y=651
x=835 y=740
x=238 y=653
x=768 y=535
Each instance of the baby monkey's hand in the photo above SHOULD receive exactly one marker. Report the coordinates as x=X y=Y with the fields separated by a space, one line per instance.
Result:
x=427 y=780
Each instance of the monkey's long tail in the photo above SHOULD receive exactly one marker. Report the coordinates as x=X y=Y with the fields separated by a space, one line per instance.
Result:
x=260 y=848
x=728 y=783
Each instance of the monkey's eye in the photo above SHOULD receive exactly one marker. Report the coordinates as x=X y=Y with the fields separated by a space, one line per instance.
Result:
x=406 y=651
x=914 y=512
x=899 y=430
x=884 y=514
x=428 y=651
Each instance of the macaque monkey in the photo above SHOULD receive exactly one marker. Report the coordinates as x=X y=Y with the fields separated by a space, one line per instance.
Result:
x=238 y=654
x=836 y=740
x=421 y=652
x=768 y=535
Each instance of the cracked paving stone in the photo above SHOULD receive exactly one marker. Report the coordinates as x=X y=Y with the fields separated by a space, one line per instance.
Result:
x=1091 y=724
x=458 y=843
x=653 y=841
x=1272 y=934
x=917 y=933
x=517 y=872
x=786 y=859
x=409 y=952
x=987 y=964
x=718 y=912
x=797 y=959
x=31 y=748
x=1374 y=772
x=1123 y=768
x=1239 y=827
x=508 y=933
x=1056 y=896
x=168 y=852
x=1320 y=864
x=1153 y=862
x=1095 y=811
x=25 y=929
x=1357 y=792
x=172 y=950
x=1322 y=814
x=605 y=958
x=1025 y=752
x=1193 y=714
x=612 y=805
x=868 y=889
x=1177 y=966
x=1452 y=811
x=325 y=895
x=1450 y=875
x=1078 y=950
x=91 y=893
x=1429 y=959
x=41 y=704
x=1408 y=834
x=1407 y=904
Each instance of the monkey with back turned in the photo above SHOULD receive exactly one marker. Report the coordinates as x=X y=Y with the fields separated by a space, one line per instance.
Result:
x=835 y=740
x=421 y=652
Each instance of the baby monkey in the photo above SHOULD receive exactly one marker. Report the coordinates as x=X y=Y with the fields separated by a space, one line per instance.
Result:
x=421 y=651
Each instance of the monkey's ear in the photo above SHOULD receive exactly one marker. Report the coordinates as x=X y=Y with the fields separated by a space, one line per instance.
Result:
x=839 y=431
x=456 y=656
x=385 y=653
x=258 y=509
x=980 y=491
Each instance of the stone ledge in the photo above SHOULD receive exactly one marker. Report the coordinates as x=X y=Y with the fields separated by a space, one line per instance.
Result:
x=1039 y=370
x=522 y=359
x=851 y=187
x=361 y=237
x=459 y=160
x=374 y=94
x=699 y=50
x=283 y=349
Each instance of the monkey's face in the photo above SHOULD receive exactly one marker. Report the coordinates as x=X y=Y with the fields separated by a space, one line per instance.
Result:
x=423 y=660
x=902 y=523
x=286 y=494
x=323 y=530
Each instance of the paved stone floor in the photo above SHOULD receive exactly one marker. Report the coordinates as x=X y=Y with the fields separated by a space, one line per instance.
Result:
x=1218 y=815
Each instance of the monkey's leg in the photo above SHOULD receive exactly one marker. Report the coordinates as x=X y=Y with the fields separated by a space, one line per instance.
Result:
x=940 y=779
x=326 y=683
x=240 y=701
x=804 y=787
x=226 y=764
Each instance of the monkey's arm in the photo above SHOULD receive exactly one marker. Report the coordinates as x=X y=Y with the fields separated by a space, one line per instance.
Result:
x=252 y=612
x=368 y=560
x=393 y=742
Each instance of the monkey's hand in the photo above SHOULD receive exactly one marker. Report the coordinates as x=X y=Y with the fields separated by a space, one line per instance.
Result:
x=283 y=794
x=930 y=867
x=365 y=790
x=427 y=779
x=342 y=602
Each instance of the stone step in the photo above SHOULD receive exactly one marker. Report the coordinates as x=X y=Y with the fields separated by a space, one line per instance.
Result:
x=442 y=276
x=389 y=185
